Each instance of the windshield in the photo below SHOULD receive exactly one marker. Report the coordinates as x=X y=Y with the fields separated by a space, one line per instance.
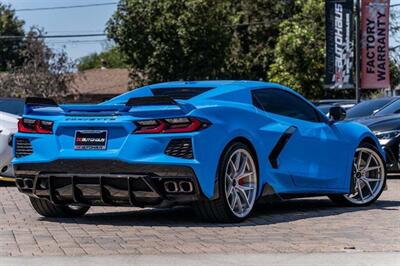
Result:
x=393 y=108
x=12 y=106
x=367 y=108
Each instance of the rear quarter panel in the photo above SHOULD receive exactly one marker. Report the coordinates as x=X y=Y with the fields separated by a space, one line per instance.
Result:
x=231 y=121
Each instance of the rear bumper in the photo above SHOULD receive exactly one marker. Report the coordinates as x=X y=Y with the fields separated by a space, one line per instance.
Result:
x=106 y=183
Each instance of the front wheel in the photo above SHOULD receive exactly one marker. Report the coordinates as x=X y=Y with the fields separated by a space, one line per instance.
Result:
x=238 y=180
x=49 y=209
x=368 y=178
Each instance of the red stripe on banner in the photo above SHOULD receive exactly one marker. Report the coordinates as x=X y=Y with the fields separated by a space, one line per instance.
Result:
x=375 y=44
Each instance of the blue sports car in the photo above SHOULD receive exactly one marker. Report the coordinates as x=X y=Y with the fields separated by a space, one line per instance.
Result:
x=218 y=146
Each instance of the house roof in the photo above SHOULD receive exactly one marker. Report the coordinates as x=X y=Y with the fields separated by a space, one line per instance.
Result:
x=101 y=81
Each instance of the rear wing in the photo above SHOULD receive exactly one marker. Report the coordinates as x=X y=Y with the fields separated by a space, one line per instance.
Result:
x=37 y=101
x=151 y=100
x=134 y=106
x=135 y=103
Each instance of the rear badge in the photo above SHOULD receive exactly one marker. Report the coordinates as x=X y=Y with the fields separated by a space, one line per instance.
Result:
x=90 y=139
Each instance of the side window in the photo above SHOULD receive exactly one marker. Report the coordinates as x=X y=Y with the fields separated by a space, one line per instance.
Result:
x=284 y=103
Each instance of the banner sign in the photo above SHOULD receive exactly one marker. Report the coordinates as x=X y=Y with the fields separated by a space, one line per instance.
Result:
x=375 y=44
x=339 y=44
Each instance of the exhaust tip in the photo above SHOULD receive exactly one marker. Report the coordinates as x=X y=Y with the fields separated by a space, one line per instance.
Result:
x=171 y=187
x=186 y=186
x=28 y=183
x=44 y=184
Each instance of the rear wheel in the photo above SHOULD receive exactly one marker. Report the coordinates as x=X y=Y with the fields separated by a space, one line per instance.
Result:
x=368 y=178
x=238 y=179
x=48 y=209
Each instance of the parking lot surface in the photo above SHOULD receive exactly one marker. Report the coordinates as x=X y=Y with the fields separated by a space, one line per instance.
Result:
x=303 y=225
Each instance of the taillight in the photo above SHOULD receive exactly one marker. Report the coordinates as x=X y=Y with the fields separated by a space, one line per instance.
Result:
x=26 y=125
x=170 y=125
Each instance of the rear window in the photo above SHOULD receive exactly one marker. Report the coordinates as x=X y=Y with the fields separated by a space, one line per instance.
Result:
x=180 y=93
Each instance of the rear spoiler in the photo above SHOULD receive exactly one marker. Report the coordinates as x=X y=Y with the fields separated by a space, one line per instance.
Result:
x=37 y=101
x=151 y=100
x=184 y=106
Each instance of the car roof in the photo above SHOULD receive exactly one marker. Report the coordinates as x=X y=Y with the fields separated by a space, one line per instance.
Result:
x=215 y=84
x=225 y=90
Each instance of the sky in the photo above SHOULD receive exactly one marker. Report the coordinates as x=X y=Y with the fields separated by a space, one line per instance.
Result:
x=68 y=21
x=75 y=21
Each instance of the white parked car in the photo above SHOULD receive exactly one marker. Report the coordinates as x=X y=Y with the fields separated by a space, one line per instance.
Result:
x=10 y=110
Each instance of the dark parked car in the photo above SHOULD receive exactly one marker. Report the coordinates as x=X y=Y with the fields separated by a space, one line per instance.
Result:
x=385 y=123
x=387 y=129
x=389 y=109
x=335 y=101
x=325 y=105
x=370 y=107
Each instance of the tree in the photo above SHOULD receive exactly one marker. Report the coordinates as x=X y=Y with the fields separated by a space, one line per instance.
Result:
x=112 y=58
x=10 y=25
x=199 y=39
x=394 y=74
x=42 y=73
x=300 y=50
x=172 y=40
x=255 y=25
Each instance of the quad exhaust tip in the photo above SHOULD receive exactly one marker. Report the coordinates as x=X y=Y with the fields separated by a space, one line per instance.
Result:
x=178 y=187
x=28 y=183
x=171 y=187
x=185 y=187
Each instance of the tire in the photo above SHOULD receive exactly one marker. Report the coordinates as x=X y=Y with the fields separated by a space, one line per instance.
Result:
x=375 y=190
x=47 y=209
x=220 y=210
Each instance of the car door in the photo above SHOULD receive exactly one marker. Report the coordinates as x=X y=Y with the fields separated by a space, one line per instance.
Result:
x=311 y=150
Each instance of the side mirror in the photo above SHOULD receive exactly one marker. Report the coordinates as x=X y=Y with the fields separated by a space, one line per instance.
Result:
x=337 y=113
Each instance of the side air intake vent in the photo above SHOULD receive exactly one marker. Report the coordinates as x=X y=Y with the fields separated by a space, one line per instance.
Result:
x=23 y=147
x=181 y=148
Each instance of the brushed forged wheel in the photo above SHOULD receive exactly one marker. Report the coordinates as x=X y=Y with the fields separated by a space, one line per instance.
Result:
x=237 y=187
x=241 y=183
x=368 y=178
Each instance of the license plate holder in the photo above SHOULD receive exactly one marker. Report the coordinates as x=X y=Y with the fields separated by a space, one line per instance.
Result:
x=90 y=139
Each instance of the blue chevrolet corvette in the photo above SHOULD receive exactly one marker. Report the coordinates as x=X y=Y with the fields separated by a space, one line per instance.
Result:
x=218 y=146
